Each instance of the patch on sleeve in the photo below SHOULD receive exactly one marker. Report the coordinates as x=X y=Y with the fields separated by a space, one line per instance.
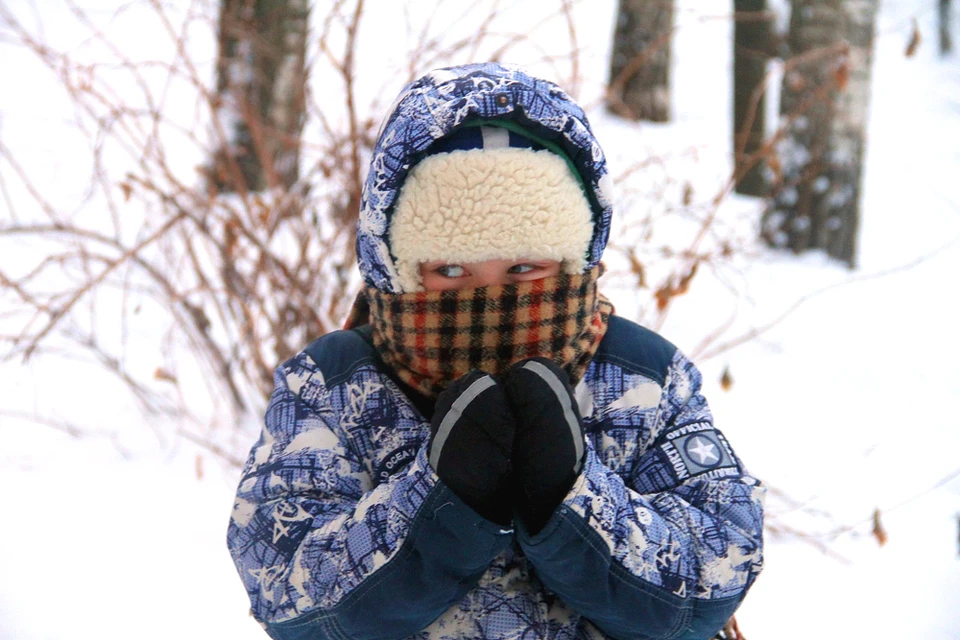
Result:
x=393 y=462
x=698 y=449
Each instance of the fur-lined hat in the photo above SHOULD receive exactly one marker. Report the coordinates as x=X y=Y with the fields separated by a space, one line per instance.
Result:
x=485 y=192
x=456 y=194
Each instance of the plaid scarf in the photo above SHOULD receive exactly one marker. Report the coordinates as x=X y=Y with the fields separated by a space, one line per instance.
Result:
x=432 y=338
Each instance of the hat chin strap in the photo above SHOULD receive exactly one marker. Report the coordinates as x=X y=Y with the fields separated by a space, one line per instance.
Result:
x=485 y=204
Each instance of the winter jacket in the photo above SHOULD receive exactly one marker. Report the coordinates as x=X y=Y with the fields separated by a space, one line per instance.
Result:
x=341 y=528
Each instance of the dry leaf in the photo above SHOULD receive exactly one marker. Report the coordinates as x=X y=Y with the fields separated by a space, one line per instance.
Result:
x=684 y=285
x=773 y=162
x=230 y=236
x=663 y=296
x=687 y=194
x=878 y=531
x=162 y=374
x=263 y=210
x=726 y=379
x=915 y=40
x=669 y=290
x=198 y=466
x=637 y=269
x=841 y=75
x=127 y=190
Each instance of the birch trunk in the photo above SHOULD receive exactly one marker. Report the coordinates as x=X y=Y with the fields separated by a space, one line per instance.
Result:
x=946 y=42
x=751 y=43
x=639 y=86
x=824 y=104
x=261 y=80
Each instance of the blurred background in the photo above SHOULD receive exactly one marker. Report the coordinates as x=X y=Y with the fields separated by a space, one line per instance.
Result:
x=179 y=188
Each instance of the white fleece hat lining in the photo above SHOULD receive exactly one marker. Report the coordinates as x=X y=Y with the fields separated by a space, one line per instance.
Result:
x=505 y=203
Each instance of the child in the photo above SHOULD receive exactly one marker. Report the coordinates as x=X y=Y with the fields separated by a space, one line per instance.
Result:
x=490 y=452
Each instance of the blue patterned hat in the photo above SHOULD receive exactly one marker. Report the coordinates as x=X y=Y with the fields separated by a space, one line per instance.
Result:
x=462 y=110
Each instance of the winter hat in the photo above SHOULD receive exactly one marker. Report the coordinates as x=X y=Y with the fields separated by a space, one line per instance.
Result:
x=490 y=190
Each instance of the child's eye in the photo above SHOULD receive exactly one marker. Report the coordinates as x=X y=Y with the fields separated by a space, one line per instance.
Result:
x=450 y=271
x=524 y=267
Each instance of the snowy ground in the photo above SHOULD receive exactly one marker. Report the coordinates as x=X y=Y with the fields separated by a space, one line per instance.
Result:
x=845 y=406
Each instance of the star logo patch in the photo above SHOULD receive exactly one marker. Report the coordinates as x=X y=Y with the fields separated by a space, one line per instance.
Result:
x=704 y=450
x=698 y=449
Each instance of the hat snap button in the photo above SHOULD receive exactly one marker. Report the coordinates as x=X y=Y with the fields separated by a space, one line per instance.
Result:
x=503 y=100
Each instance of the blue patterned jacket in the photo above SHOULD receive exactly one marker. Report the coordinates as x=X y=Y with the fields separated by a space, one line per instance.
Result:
x=341 y=529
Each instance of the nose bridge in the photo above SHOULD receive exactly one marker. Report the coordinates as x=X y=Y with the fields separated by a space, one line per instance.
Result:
x=489 y=274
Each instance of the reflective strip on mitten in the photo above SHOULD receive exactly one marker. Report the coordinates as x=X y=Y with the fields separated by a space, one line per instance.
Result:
x=549 y=446
x=471 y=442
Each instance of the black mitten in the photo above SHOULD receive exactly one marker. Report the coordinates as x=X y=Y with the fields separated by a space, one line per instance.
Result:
x=471 y=442
x=549 y=446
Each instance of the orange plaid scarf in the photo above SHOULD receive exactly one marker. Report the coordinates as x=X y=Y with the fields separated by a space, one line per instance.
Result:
x=432 y=338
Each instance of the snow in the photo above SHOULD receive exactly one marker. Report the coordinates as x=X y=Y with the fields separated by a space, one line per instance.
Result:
x=842 y=407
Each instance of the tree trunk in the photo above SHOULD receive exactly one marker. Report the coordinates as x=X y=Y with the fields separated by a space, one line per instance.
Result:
x=751 y=44
x=639 y=86
x=946 y=43
x=261 y=79
x=824 y=103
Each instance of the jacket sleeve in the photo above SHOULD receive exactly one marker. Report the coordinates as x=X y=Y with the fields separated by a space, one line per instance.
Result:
x=322 y=551
x=669 y=547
